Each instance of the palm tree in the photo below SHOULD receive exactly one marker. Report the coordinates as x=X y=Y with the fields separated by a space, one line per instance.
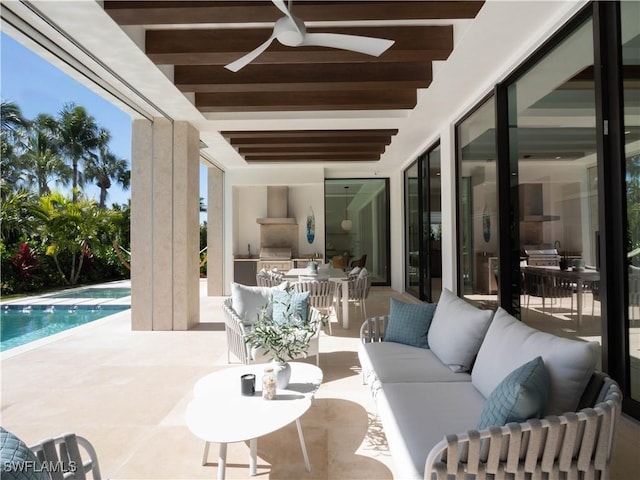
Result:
x=41 y=158
x=12 y=128
x=105 y=167
x=79 y=135
x=12 y=118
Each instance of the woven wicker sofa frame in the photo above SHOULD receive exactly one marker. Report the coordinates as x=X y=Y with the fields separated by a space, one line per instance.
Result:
x=575 y=445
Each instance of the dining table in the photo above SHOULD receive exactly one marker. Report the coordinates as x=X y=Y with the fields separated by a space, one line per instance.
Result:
x=335 y=275
x=578 y=276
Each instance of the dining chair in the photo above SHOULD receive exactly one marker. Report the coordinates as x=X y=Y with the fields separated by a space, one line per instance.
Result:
x=533 y=286
x=322 y=296
x=360 y=262
x=556 y=288
x=358 y=289
x=269 y=279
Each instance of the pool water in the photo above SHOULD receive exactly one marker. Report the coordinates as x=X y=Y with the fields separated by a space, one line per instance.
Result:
x=91 y=292
x=21 y=324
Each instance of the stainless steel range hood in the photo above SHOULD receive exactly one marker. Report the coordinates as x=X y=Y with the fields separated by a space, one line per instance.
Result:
x=277 y=208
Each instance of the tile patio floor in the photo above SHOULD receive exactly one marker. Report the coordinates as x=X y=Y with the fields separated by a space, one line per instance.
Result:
x=127 y=392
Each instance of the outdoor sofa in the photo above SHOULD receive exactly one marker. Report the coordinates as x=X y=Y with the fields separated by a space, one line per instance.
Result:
x=463 y=393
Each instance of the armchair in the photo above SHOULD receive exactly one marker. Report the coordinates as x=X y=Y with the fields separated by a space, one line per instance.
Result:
x=236 y=336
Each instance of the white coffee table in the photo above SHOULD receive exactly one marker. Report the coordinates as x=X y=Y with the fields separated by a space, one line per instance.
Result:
x=220 y=414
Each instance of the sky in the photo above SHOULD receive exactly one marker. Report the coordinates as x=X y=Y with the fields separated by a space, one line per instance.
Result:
x=37 y=87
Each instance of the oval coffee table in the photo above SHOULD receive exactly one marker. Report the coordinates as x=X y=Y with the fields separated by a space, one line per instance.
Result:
x=220 y=414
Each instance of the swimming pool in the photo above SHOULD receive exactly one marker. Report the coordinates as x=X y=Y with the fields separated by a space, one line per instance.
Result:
x=21 y=324
x=93 y=292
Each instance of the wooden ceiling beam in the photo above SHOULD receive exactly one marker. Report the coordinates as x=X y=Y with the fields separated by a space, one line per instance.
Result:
x=289 y=78
x=298 y=101
x=301 y=142
x=297 y=149
x=221 y=46
x=195 y=12
x=350 y=134
x=313 y=157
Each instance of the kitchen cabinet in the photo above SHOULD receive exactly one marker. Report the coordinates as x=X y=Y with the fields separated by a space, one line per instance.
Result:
x=244 y=271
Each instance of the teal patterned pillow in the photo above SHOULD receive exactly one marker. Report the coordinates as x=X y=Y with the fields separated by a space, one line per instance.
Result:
x=18 y=462
x=409 y=323
x=289 y=305
x=523 y=394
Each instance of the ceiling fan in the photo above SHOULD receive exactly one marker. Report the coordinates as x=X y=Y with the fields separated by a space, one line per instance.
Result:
x=290 y=31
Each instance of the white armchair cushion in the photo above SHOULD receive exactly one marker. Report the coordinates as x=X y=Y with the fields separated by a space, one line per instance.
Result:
x=248 y=301
x=456 y=331
x=509 y=343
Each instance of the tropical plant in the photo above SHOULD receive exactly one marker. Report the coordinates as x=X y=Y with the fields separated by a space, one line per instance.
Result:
x=69 y=229
x=25 y=262
x=285 y=340
x=17 y=216
x=41 y=158
x=105 y=167
x=79 y=136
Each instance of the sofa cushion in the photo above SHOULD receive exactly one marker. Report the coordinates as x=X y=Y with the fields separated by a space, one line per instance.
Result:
x=456 y=331
x=521 y=395
x=416 y=416
x=289 y=305
x=396 y=362
x=509 y=343
x=409 y=323
x=248 y=301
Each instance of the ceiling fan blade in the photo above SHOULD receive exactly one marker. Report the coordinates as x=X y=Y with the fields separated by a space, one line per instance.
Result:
x=282 y=6
x=249 y=57
x=356 y=43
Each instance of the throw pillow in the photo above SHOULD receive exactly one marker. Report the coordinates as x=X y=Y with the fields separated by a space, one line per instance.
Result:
x=457 y=331
x=510 y=343
x=355 y=271
x=290 y=306
x=521 y=395
x=363 y=273
x=248 y=301
x=17 y=461
x=409 y=323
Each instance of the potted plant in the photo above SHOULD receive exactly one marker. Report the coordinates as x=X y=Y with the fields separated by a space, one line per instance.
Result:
x=564 y=261
x=282 y=340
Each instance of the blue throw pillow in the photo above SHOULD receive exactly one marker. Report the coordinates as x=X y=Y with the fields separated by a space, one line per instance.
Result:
x=288 y=306
x=409 y=323
x=18 y=462
x=523 y=394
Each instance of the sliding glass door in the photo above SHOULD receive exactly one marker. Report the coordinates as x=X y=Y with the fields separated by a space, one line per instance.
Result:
x=478 y=206
x=423 y=220
x=630 y=37
x=357 y=225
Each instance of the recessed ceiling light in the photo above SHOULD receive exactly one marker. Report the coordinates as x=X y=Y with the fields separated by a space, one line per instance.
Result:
x=558 y=158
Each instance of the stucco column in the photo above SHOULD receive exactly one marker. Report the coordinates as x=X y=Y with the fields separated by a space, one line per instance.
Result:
x=164 y=225
x=215 y=250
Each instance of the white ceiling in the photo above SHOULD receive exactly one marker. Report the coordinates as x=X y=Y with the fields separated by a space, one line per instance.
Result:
x=508 y=29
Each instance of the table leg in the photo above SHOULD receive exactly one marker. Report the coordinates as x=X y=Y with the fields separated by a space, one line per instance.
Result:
x=579 y=301
x=303 y=446
x=253 y=457
x=345 y=305
x=205 y=455
x=222 y=461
